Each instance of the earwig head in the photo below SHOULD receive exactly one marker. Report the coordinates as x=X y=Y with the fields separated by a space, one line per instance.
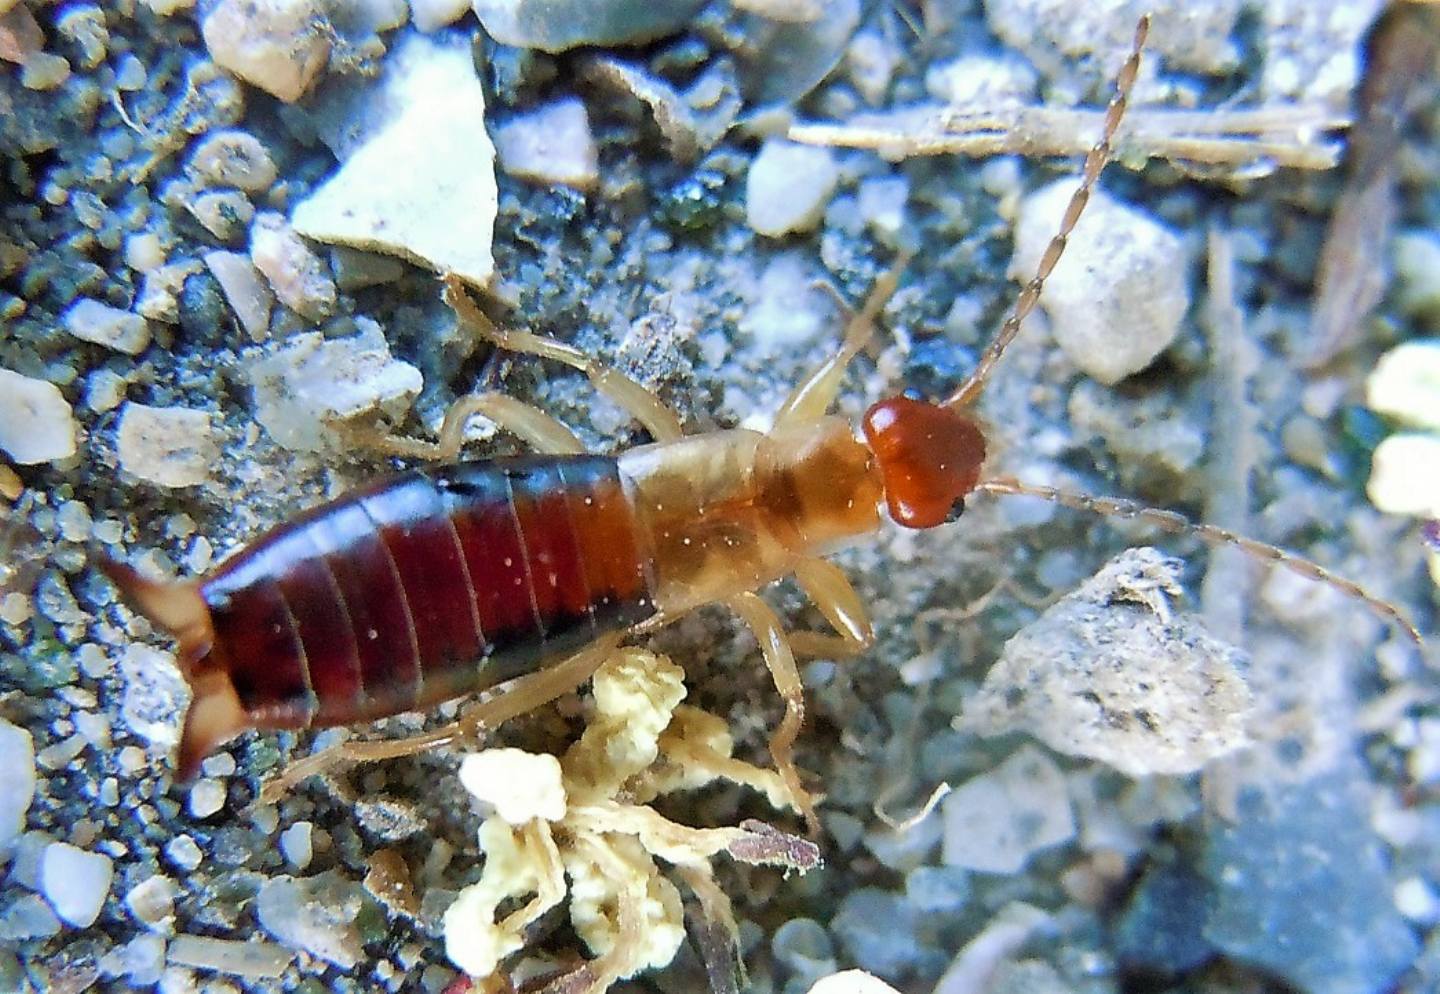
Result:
x=929 y=458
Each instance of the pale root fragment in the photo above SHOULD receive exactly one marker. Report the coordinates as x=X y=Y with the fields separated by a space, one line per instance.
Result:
x=437 y=209
x=169 y=446
x=1405 y=475
x=36 y=423
x=519 y=785
x=1117 y=297
x=1113 y=672
x=604 y=837
x=280 y=46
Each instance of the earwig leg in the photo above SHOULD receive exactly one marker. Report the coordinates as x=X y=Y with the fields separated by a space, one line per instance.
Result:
x=534 y=427
x=813 y=395
x=827 y=587
x=781 y=662
x=514 y=698
x=639 y=402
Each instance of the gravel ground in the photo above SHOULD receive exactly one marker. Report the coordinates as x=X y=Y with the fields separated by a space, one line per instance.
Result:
x=169 y=346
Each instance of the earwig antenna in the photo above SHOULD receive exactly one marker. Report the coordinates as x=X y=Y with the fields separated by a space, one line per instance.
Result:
x=1118 y=507
x=1095 y=160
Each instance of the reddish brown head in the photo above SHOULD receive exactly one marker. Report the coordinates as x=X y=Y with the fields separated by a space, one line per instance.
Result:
x=929 y=458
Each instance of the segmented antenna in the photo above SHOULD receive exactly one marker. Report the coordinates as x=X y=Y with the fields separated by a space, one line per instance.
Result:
x=1095 y=160
x=1118 y=507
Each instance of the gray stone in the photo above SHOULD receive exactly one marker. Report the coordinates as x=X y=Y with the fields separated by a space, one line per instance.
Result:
x=316 y=915
x=1160 y=929
x=557 y=25
x=1301 y=888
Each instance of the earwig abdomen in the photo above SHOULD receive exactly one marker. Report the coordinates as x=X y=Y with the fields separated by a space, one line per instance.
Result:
x=433 y=584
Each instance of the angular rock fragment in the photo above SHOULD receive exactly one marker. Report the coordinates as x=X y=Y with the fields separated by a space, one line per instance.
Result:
x=233 y=158
x=75 y=882
x=1110 y=673
x=551 y=144
x=995 y=822
x=169 y=446
x=1117 y=297
x=557 y=25
x=36 y=424
x=279 y=46
x=310 y=381
x=436 y=209
x=17 y=783
x=315 y=914
x=788 y=187
x=248 y=295
x=296 y=274
x=93 y=321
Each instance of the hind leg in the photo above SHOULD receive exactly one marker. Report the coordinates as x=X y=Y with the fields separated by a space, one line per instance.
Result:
x=520 y=695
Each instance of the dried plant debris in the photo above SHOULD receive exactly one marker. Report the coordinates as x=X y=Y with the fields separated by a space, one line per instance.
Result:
x=1113 y=672
x=586 y=817
x=1402 y=55
x=1242 y=142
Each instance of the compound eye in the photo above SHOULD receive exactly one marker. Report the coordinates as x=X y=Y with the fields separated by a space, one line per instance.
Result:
x=956 y=509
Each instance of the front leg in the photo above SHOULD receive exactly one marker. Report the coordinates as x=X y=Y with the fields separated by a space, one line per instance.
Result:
x=780 y=660
x=830 y=591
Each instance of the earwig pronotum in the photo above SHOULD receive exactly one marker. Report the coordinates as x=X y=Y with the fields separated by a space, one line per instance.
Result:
x=383 y=600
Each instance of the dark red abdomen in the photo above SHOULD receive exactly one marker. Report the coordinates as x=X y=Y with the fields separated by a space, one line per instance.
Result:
x=431 y=585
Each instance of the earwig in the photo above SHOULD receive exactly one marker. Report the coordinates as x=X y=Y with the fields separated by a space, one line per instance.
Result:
x=444 y=581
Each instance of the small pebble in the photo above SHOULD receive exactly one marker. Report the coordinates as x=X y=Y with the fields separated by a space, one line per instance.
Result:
x=996 y=821
x=121 y=330
x=152 y=902
x=234 y=158
x=144 y=252
x=183 y=853
x=551 y=144
x=207 y=796
x=431 y=15
x=29 y=917
x=296 y=274
x=1118 y=296
x=249 y=296
x=788 y=187
x=296 y=844
x=169 y=446
x=1405 y=383
x=75 y=882
x=104 y=390
x=36 y=423
x=280 y=46
x=44 y=71
x=1405 y=475
x=243 y=958
x=17 y=782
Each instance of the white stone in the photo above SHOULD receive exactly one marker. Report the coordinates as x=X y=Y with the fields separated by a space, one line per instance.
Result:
x=1417 y=272
x=310 y=380
x=788 y=187
x=207 y=796
x=297 y=844
x=557 y=25
x=1405 y=475
x=169 y=446
x=143 y=252
x=249 y=296
x=1119 y=294
x=1405 y=383
x=1112 y=672
x=93 y=321
x=995 y=822
x=152 y=902
x=75 y=882
x=297 y=275
x=36 y=424
x=786 y=311
x=551 y=145
x=851 y=982
x=184 y=854
x=233 y=158
x=281 y=46
x=17 y=783
x=436 y=209
x=521 y=786
x=431 y=15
